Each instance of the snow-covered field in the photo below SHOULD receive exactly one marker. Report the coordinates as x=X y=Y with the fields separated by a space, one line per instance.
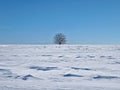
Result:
x=67 y=67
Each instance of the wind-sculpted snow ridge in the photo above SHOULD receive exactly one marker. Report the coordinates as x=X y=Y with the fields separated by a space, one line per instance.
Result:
x=43 y=68
x=59 y=67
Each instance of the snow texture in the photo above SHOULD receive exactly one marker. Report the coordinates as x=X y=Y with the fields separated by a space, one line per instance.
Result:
x=64 y=67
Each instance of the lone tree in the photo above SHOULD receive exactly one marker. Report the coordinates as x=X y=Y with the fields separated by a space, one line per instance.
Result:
x=60 y=39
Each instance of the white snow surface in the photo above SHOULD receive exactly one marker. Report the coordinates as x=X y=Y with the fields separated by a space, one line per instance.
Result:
x=59 y=67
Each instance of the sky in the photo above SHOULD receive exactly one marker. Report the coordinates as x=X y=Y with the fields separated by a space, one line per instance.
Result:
x=81 y=21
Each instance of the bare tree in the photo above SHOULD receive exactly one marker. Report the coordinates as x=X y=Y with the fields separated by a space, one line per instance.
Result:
x=60 y=39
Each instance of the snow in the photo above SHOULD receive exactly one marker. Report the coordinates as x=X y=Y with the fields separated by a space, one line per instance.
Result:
x=64 y=67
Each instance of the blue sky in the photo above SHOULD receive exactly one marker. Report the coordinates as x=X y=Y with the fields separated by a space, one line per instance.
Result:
x=82 y=21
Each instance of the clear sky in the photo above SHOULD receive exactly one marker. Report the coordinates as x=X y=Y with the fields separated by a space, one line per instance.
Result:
x=82 y=21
